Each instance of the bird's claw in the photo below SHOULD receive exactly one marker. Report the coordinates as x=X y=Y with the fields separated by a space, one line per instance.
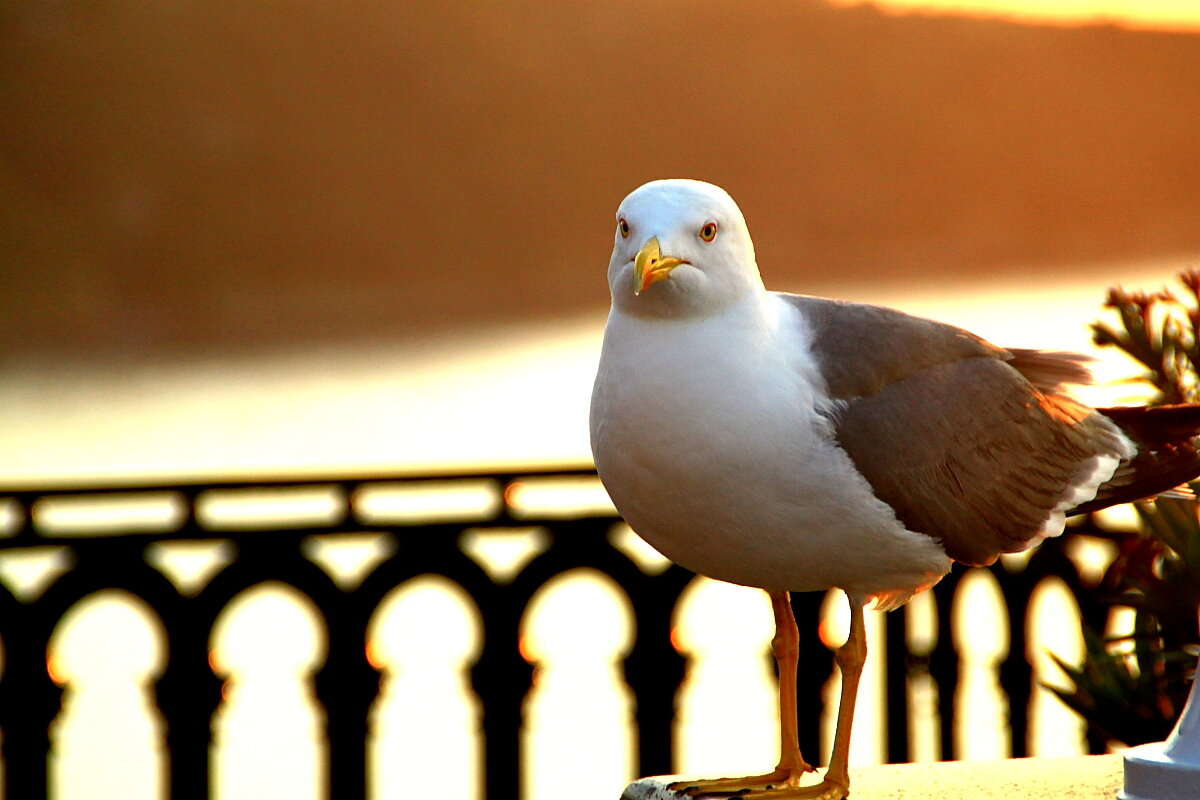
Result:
x=773 y=786
x=733 y=787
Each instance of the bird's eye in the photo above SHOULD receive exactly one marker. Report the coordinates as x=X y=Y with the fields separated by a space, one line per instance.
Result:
x=623 y=227
x=708 y=232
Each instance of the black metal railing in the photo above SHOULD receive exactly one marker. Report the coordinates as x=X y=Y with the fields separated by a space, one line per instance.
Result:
x=110 y=550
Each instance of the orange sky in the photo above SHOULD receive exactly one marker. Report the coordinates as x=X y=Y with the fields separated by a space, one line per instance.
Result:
x=1155 y=14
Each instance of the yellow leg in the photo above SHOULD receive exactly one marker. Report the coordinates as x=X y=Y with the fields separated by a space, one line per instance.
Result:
x=786 y=649
x=784 y=782
x=850 y=658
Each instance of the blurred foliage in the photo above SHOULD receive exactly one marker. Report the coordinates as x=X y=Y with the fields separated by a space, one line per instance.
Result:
x=1159 y=332
x=1132 y=688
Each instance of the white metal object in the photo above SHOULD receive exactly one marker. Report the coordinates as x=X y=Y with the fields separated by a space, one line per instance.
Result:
x=1168 y=770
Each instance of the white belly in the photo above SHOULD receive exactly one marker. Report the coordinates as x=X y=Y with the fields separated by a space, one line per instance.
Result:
x=724 y=464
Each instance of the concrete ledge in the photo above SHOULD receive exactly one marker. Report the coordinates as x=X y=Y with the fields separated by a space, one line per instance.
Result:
x=1078 y=778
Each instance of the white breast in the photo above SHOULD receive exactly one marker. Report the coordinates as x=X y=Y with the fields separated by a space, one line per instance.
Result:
x=714 y=441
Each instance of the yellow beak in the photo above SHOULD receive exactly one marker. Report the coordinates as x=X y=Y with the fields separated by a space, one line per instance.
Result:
x=651 y=266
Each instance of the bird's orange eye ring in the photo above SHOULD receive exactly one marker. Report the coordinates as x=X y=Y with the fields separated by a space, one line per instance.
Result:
x=708 y=232
x=623 y=227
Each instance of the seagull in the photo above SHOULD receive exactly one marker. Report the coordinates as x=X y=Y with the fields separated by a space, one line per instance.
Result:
x=795 y=443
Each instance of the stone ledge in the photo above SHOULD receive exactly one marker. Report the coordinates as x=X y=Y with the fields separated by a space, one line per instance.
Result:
x=1076 y=778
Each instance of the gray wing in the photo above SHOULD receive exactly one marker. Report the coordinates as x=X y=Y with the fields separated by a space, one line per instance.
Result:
x=862 y=348
x=959 y=442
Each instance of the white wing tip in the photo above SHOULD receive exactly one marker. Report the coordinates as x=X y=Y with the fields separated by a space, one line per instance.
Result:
x=1088 y=480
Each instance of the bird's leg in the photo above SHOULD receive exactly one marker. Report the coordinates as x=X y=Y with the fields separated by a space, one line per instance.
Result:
x=850 y=658
x=786 y=649
x=784 y=783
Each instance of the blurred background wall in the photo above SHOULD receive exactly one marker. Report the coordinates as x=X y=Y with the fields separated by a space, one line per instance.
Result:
x=246 y=238
x=197 y=176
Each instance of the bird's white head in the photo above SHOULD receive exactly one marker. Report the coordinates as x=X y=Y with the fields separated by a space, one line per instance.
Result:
x=681 y=248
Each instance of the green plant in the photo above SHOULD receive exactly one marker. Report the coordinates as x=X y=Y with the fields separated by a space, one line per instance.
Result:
x=1131 y=688
x=1159 y=332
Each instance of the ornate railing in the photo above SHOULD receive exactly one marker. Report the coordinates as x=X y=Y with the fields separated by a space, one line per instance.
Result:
x=110 y=551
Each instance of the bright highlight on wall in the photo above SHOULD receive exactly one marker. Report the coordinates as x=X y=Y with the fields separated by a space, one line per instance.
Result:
x=1155 y=14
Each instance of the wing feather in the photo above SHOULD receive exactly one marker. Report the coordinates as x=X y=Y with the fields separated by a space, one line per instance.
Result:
x=862 y=348
x=972 y=454
x=966 y=441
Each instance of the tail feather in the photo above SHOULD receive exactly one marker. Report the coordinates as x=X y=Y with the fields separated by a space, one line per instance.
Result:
x=1168 y=453
x=1049 y=370
x=1153 y=426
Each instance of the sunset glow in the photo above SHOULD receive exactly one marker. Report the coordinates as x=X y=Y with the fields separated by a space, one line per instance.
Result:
x=1160 y=15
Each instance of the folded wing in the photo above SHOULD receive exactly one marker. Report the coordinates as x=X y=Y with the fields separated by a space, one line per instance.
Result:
x=955 y=433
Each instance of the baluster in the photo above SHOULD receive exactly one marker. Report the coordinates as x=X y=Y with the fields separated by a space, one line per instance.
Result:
x=944 y=662
x=29 y=702
x=1016 y=674
x=502 y=678
x=188 y=694
x=897 y=665
x=654 y=670
x=347 y=687
x=815 y=668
